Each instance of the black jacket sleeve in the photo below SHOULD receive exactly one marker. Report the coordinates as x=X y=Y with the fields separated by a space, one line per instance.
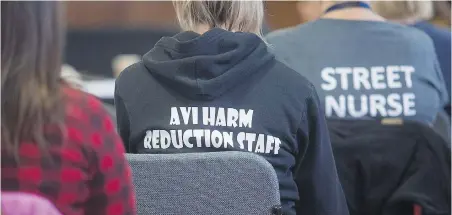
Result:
x=122 y=120
x=315 y=174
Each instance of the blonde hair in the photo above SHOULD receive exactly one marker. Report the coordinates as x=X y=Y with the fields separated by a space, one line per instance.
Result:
x=236 y=15
x=70 y=75
x=402 y=10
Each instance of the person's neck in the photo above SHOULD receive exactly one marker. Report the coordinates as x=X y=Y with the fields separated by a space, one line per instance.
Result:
x=201 y=29
x=354 y=14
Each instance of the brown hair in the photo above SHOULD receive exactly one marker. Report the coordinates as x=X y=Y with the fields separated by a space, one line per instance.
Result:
x=32 y=38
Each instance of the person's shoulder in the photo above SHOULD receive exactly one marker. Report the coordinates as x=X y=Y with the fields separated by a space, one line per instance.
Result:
x=84 y=110
x=283 y=35
x=87 y=124
x=130 y=72
x=407 y=38
x=410 y=35
x=291 y=31
x=285 y=43
x=133 y=75
x=292 y=80
x=73 y=96
x=280 y=33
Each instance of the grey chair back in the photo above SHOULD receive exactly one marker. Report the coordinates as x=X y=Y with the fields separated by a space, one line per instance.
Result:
x=204 y=183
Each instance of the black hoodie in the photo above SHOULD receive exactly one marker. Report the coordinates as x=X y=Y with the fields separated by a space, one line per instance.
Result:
x=224 y=91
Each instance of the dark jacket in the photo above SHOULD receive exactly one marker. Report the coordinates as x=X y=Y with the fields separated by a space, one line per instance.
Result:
x=224 y=91
x=387 y=169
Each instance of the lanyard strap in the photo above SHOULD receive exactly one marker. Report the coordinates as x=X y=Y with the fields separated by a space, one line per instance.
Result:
x=348 y=4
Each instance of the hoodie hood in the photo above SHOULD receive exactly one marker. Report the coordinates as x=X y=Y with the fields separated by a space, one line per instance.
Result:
x=206 y=66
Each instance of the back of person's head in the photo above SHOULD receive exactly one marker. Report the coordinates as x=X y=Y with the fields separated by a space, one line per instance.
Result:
x=404 y=10
x=240 y=15
x=30 y=65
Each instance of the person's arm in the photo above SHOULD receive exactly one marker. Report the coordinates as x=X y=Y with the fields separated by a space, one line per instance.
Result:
x=122 y=120
x=111 y=187
x=316 y=176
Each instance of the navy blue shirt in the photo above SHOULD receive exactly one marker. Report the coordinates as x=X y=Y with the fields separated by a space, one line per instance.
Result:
x=224 y=91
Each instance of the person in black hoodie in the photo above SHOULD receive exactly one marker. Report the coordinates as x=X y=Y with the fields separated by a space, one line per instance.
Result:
x=216 y=87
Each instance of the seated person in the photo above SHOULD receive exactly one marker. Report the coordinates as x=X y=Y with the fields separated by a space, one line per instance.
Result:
x=216 y=87
x=56 y=142
x=418 y=14
x=363 y=66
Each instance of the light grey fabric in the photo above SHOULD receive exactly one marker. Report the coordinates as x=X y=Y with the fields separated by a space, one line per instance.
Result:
x=204 y=183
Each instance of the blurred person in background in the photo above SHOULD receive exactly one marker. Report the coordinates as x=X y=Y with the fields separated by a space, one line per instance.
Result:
x=71 y=76
x=442 y=13
x=418 y=14
x=363 y=66
x=216 y=87
x=56 y=142
x=121 y=62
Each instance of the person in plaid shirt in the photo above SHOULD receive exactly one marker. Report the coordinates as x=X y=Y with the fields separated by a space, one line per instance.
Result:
x=56 y=142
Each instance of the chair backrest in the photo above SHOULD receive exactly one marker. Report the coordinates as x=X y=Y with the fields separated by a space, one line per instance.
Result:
x=204 y=183
x=17 y=203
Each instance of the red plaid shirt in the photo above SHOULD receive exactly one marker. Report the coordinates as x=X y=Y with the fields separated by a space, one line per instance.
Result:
x=88 y=174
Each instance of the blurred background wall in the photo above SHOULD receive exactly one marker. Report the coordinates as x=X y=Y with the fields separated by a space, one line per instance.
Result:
x=144 y=14
x=100 y=31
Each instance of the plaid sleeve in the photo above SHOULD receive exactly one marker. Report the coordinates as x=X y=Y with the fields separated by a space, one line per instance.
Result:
x=111 y=187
